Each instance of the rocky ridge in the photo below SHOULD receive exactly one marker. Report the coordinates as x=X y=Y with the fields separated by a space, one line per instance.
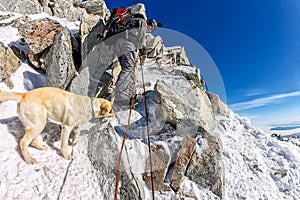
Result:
x=50 y=47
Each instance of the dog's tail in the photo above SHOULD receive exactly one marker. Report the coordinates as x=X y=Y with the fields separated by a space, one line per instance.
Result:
x=6 y=96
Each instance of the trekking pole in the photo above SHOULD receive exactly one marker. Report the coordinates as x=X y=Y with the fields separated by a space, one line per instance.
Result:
x=124 y=138
x=142 y=59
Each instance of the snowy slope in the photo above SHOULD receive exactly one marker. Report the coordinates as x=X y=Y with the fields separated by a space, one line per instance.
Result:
x=253 y=161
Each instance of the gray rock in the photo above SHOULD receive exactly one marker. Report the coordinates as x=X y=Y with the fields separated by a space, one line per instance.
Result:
x=180 y=100
x=95 y=7
x=21 y=6
x=60 y=68
x=73 y=10
x=190 y=127
x=96 y=57
x=7 y=19
x=218 y=107
x=160 y=164
x=154 y=46
x=93 y=66
x=90 y=26
x=103 y=151
x=195 y=77
x=206 y=166
x=9 y=63
x=282 y=172
x=39 y=35
x=177 y=56
x=182 y=162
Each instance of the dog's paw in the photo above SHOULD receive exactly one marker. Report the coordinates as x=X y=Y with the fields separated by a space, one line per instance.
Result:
x=66 y=156
x=74 y=142
x=30 y=160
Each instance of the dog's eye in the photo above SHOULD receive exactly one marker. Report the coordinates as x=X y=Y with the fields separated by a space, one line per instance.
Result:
x=112 y=112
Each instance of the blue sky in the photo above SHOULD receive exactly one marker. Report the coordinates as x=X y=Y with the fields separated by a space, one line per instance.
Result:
x=255 y=45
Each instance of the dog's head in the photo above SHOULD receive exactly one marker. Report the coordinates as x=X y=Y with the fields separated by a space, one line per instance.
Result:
x=103 y=108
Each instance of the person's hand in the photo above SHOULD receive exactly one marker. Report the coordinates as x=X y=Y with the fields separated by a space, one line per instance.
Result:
x=142 y=55
x=151 y=23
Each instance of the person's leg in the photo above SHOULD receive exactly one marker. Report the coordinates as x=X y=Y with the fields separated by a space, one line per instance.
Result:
x=125 y=51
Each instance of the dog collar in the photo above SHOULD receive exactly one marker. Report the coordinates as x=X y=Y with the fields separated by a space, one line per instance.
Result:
x=93 y=111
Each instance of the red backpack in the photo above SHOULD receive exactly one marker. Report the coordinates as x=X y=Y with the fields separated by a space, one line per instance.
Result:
x=117 y=22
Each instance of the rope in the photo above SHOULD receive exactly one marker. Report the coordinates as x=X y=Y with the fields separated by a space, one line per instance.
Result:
x=65 y=177
x=125 y=134
x=120 y=155
x=123 y=142
x=148 y=131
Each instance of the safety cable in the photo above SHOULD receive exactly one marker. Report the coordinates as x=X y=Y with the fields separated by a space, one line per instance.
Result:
x=66 y=175
x=120 y=155
x=124 y=138
x=126 y=131
x=148 y=130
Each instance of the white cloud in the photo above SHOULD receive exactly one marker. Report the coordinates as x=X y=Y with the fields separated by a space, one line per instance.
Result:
x=262 y=101
x=255 y=92
x=287 y=121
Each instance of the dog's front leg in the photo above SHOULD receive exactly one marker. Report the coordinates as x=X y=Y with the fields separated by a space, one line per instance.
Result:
x=76 y=135
x=65 y=133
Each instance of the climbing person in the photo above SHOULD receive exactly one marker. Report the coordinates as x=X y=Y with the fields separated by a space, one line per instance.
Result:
x=126 y=30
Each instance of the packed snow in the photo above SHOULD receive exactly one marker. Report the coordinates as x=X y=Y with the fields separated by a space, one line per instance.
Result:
x=257 y=166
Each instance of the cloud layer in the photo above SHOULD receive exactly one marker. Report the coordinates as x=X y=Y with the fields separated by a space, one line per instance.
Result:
x=262 y=101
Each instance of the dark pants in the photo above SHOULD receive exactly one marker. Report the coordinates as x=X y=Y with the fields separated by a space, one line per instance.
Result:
x=125 y=51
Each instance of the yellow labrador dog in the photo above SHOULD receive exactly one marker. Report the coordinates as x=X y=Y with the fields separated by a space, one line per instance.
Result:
x=38 y=105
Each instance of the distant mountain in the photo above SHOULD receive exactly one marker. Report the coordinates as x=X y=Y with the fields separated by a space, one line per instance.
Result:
x=281 y=128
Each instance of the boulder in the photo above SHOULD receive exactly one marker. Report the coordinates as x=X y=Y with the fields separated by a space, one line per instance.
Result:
x=154 y=46
x=95 y=7
x=39 y=35
x=180 y=100
x=177 y=55
x=160 y=164
x=90 y=25
x=88 y=82
x=9 y=63
x=188 y=127
x=103 y=150
x=182 y=162
x=96 y=57
x=60 y=68
x=206 y=166
x=218 y=106
x=21 y=6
